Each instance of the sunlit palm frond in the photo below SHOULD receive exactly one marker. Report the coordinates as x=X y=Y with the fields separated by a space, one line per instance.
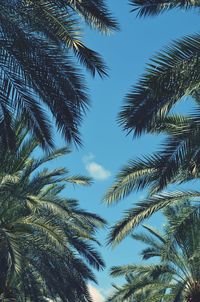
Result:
x=136 y=175
x=144 y=210
x=175 y=275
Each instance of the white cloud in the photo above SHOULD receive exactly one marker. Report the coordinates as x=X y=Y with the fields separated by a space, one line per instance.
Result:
x=95 y=294
x=95 y=170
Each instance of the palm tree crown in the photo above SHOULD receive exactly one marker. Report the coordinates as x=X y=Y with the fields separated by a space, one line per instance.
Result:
x=46 y=248
x=39 y=77
x=175 y=276
x=171 y=75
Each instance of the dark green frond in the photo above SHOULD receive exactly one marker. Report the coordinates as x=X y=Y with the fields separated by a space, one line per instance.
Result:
x=38 y=75
x=47 y=243
x=146 y=8
x=96 y=14
x=171 y=75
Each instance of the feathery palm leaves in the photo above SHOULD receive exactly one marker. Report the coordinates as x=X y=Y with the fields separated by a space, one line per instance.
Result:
x=171 y=75
x=176 y=276
x=178 y=162
x=38 y=74
x=152 y=8
x=46 y=240
x=144 y=209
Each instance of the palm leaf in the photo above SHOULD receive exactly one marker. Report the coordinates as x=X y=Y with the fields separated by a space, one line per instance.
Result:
x=152 y=8
x=171 y=75
x=144 y=210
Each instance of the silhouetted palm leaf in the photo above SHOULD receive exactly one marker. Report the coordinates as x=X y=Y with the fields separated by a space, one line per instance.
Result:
x=39 y=78
x=171 y=75
x=153 y=7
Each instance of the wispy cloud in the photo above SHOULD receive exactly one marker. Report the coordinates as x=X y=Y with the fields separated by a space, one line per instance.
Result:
x=95 y=170
x=95 y=294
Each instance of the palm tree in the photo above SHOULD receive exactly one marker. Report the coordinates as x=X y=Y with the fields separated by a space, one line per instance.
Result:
x=171 y=75
x=175 y=275
x=46 y=241
x=39 y=76
x=177 y=163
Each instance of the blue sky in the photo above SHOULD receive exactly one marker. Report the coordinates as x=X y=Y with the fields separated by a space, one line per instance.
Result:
x=106 y=147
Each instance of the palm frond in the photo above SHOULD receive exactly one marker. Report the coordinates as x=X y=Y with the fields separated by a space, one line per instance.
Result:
x=171 y=75
x=96 y=14
x=38 y=75
x=137 y=174
x=146 y=8
x=47 y=243
x=144 y=210
x=79 y=180
x=171 y=278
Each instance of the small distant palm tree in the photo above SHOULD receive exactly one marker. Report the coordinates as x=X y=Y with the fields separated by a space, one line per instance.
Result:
x=46 y=240
x=39 y=77
x=175 y=277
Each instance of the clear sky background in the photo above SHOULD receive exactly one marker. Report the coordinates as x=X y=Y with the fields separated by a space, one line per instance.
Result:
x=106 y=147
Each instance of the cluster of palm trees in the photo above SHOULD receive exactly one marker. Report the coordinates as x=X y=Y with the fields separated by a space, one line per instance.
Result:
x=150 y=107
x=47 y=243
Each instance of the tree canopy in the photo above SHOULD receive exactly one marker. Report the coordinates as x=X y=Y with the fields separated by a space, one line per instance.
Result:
x=47 y=241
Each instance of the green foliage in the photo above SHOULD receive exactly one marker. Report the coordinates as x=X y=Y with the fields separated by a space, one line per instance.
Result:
x=144 y=209
x=39 y=75
x=46 y=241
x=170 y=76
x=177 y=162
x=154 y=7
x=175 y=276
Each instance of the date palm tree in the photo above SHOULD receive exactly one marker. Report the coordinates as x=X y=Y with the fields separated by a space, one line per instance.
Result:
x=171 y=75
x=46 y=241
x=178 y=163
x=175 y=275
x=39 y=75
